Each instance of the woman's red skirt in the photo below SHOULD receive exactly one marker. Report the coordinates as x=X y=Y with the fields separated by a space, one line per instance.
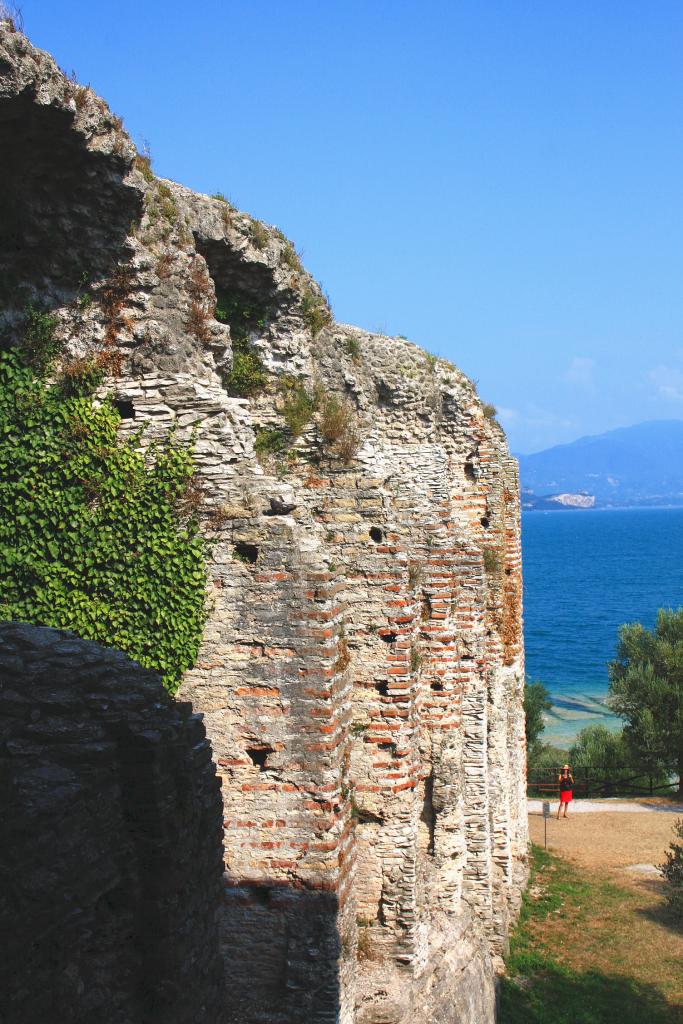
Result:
x=566 y=796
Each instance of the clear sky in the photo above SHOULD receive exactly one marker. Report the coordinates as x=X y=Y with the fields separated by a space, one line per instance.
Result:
x=499 y=180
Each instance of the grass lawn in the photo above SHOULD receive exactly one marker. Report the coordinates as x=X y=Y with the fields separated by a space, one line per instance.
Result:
x=585 y=953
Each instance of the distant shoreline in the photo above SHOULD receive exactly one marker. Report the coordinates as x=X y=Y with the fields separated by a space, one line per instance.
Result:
x=603 y=508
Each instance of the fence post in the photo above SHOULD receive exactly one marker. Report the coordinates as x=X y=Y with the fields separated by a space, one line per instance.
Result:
x=650 y=777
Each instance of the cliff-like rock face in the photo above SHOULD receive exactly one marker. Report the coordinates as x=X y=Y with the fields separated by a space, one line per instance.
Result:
x=361 y=673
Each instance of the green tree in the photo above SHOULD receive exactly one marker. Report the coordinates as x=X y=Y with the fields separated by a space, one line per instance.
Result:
x=646 y=689
x=543 y=757
x=94 y=536
x=607 y=753
x=599 y=747
x=536 y=703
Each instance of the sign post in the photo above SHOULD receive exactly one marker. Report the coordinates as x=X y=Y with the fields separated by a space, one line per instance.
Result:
x=546 y=815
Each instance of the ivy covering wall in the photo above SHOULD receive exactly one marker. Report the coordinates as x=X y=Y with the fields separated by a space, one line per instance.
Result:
x=93 y=537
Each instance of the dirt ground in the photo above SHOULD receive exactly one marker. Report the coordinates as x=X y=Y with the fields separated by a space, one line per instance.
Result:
x=632 y=934
x=609 y=841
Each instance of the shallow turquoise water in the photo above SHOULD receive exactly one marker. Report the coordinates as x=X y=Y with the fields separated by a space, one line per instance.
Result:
x=586 y=573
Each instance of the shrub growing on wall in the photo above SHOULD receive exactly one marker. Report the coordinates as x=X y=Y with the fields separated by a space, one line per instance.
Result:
x=91 y=537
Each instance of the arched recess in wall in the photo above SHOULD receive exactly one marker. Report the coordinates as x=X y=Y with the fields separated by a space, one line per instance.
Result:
x=246 y=294
x=64 y=209
x=111 y=861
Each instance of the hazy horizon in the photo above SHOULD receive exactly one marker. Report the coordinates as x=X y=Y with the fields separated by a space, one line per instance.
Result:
x=500 y=183
x=601 y=433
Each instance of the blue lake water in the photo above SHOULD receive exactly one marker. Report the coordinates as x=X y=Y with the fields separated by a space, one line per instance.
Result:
x=586 y=573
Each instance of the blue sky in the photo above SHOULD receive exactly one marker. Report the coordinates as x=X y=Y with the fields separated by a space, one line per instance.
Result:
x=499 y=181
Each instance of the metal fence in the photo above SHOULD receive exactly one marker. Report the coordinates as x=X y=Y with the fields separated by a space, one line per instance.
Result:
x=605 y=782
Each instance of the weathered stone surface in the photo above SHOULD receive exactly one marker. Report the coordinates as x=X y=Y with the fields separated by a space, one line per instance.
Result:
x=362 y=667
x=110 y=862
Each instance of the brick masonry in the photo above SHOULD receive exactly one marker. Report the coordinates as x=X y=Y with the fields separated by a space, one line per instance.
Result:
x=361 y=674
x=110 y=864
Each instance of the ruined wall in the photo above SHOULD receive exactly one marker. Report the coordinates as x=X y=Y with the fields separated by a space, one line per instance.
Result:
x=110 y=862
x=362 y=668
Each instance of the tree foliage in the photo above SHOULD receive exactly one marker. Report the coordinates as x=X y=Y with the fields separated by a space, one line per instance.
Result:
x=599 y=748
x=646 y=689
x=536 y=703
x=542 y=757
x=91 y=534
x=672 y=869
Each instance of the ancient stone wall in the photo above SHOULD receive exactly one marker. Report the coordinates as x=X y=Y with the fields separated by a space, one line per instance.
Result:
x=110 y=862
x=362 y=667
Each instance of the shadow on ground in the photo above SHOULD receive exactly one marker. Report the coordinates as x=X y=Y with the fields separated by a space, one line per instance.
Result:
x=661 y=913
x=556 y=996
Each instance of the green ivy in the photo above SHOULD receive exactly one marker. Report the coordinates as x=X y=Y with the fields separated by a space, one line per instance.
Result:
x=91 y=538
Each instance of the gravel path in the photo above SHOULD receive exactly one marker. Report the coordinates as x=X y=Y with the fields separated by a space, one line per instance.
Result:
x=630 y=806
x=612 y=835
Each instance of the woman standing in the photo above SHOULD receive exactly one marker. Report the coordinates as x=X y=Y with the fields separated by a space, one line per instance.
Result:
x=566 y=781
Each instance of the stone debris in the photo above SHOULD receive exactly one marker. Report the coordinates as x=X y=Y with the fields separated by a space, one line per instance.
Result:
x=644 y=869
x=361 y=675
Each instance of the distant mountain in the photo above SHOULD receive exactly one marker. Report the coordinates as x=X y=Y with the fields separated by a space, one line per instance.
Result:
x=639 y=465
